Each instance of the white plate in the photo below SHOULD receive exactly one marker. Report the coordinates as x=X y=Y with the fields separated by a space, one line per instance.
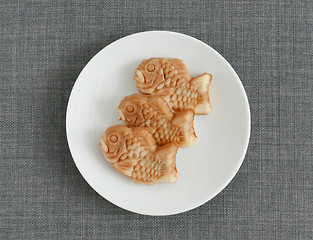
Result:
x=204 y=170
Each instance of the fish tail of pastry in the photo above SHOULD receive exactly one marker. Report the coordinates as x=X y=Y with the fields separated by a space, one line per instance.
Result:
x=202 y=83
x=184 y=120
x=165 y=163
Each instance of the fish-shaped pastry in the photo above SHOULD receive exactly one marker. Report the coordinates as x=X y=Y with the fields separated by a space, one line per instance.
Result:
x=134 y=153
x=153 y=113
x=169 y=78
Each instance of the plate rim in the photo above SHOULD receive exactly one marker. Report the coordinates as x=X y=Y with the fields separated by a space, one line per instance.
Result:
x=242 y=89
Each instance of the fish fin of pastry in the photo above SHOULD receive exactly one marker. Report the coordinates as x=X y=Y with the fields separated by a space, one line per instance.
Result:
x=184 y=120
x=125 y=167
x=165 y=93
x=165 y=162
x=202 y=83
x=161 y=104
x=145 y=138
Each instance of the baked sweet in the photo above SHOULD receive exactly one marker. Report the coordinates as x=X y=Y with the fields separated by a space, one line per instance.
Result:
x=134 y=153
x=169 y=78
x=153 y=113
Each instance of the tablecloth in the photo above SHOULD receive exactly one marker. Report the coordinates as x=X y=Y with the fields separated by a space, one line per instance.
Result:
x=44 y=46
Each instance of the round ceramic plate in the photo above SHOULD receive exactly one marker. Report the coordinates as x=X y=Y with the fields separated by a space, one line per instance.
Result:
x=204 y=170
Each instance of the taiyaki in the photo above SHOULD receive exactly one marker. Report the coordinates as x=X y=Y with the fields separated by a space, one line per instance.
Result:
x=153 y=113
x=169 y=78
x=134 y=153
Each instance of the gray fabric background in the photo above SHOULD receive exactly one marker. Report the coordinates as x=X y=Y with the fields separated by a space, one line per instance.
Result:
x=44 y=46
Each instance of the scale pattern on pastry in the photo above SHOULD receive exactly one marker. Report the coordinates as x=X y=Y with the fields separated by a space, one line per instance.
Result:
x=169 y=78
x=153 y=113
x=134 y=153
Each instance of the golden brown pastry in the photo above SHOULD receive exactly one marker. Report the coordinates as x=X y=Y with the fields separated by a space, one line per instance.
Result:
x=134 y=153
x=169 y=78
x=153 y=113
